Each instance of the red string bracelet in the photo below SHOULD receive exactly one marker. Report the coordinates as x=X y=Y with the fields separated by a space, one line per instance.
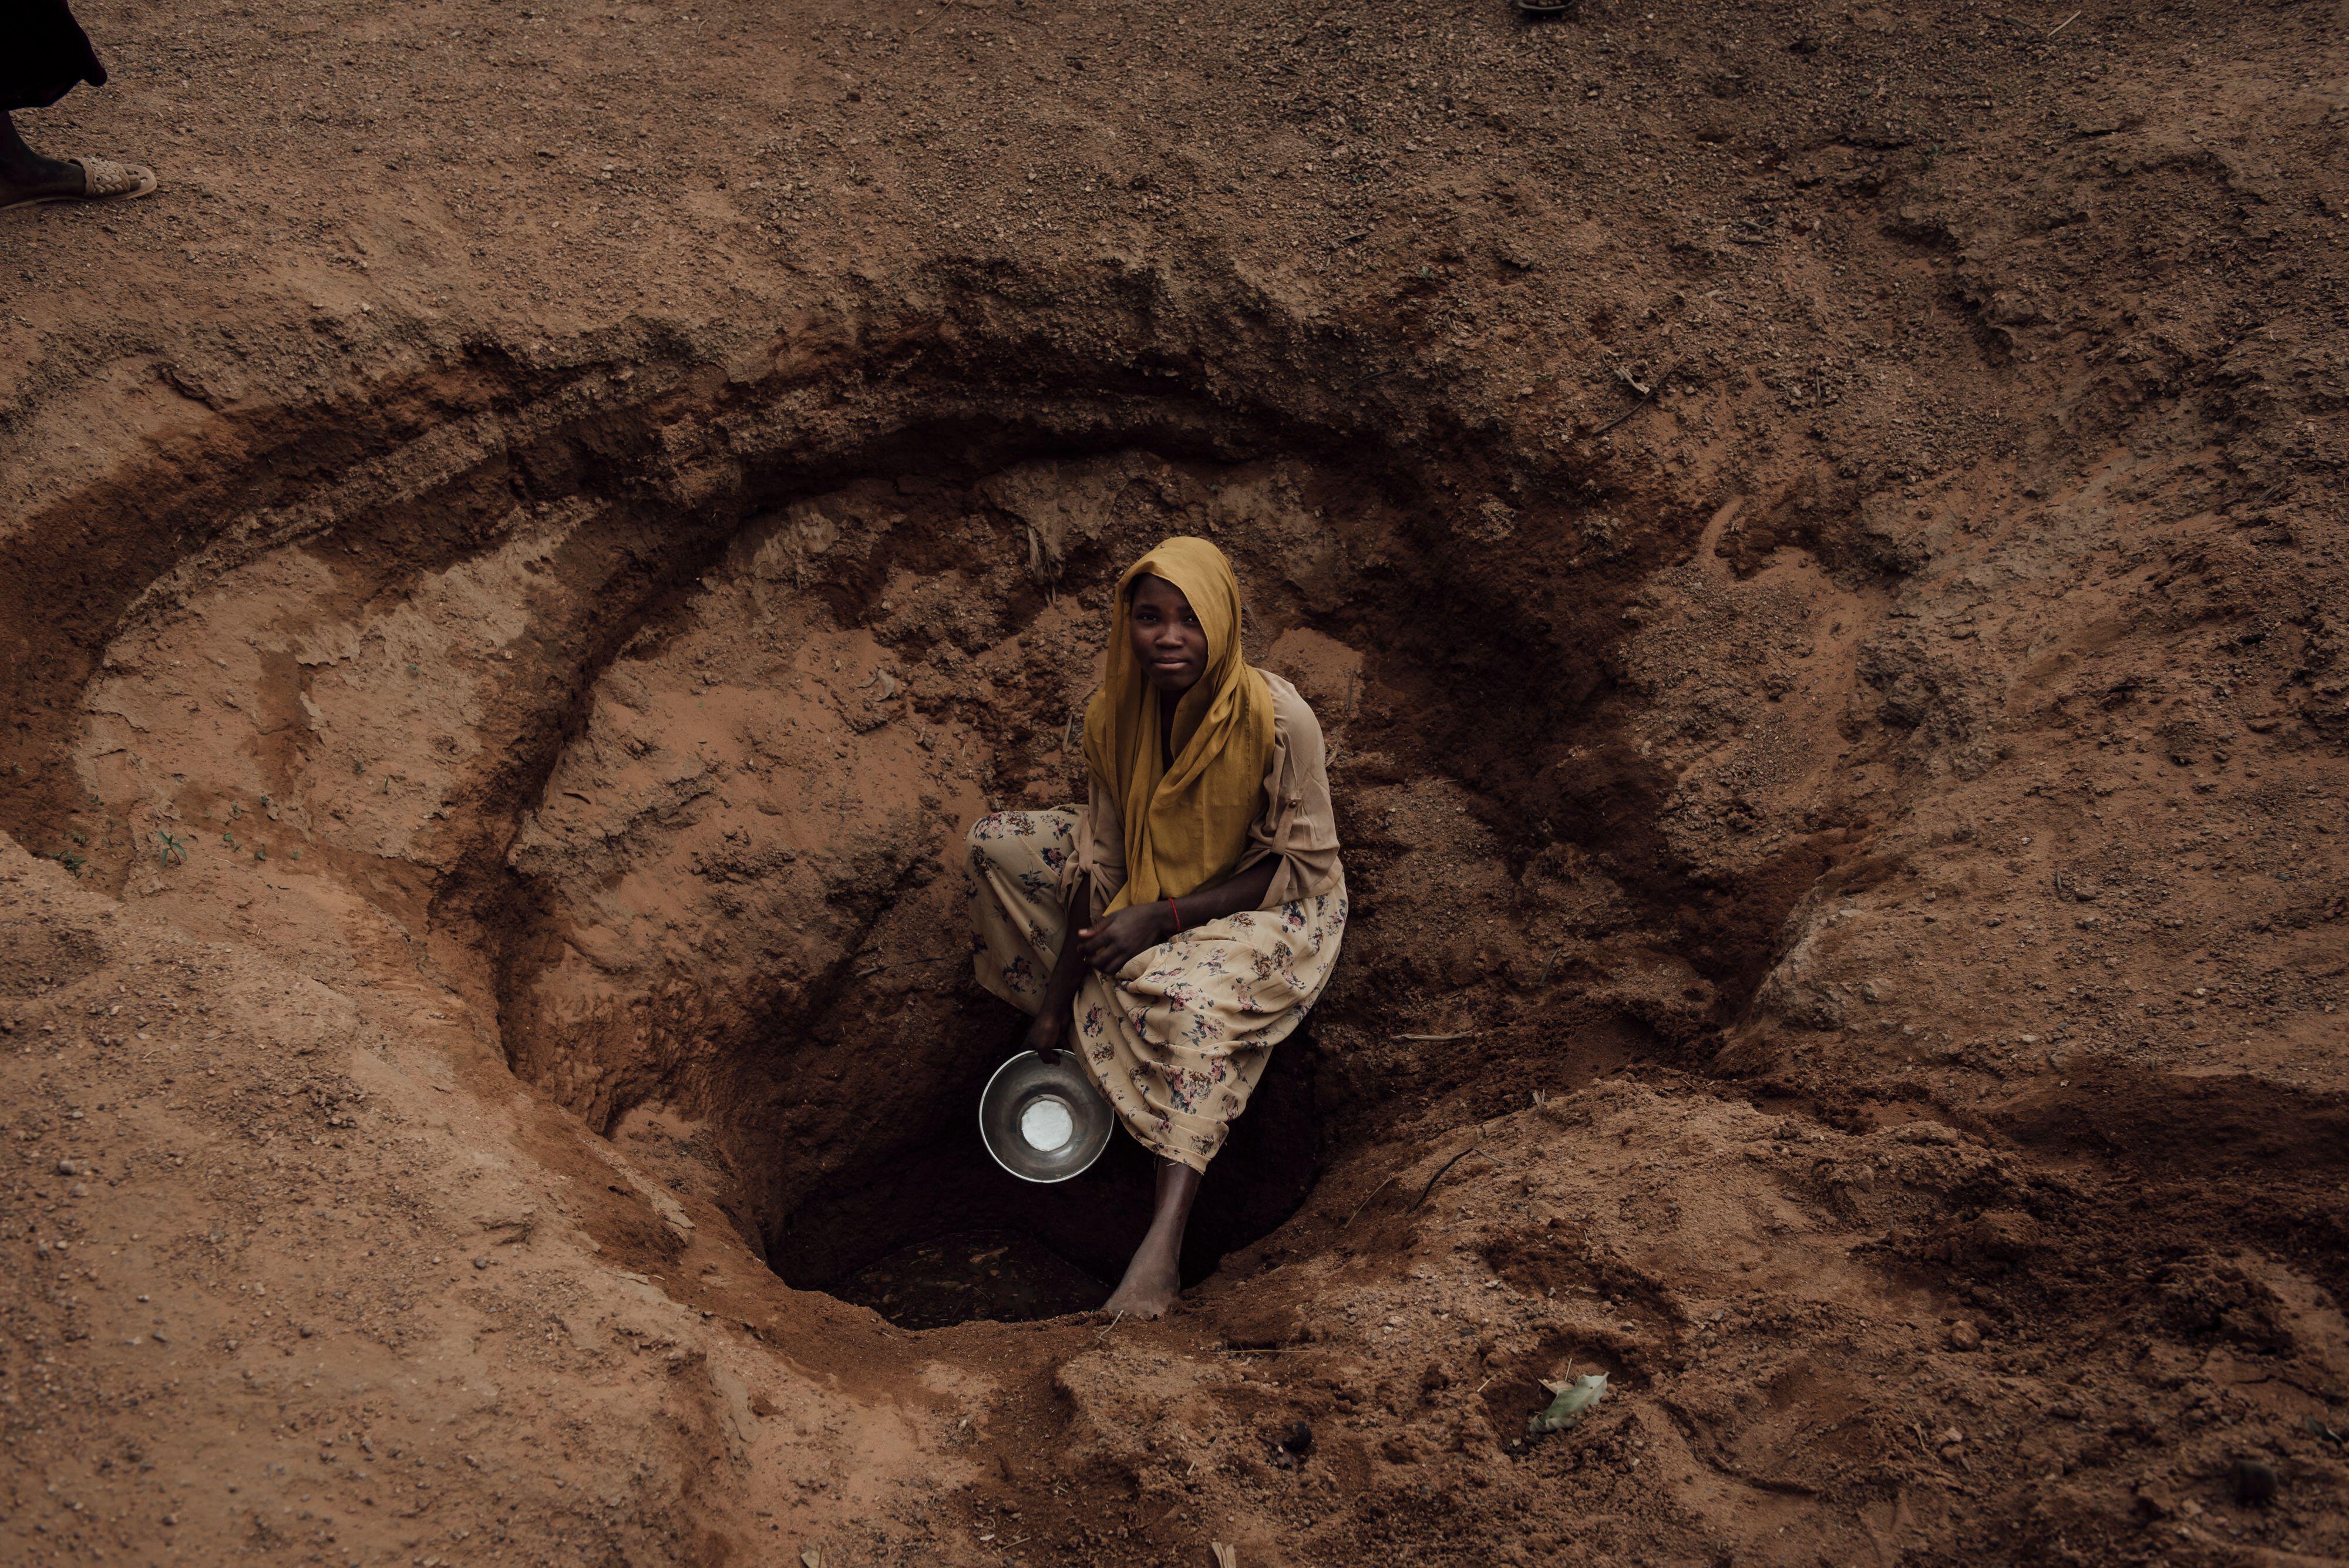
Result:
x=1176 y=911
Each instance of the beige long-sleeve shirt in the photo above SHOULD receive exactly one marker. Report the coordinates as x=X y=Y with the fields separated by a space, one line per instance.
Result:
x=1297 y=822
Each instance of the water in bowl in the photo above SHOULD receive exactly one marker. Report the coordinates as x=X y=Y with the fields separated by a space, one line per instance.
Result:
x=1046 y=1124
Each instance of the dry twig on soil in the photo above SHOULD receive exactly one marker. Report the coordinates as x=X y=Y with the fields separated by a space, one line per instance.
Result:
x=1473 y=1148
x=1365 y=1203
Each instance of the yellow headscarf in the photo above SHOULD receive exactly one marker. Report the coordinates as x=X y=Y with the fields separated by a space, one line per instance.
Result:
x=1185 y=824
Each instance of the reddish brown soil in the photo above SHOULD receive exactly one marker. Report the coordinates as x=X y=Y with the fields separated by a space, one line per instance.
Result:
x=1813 y=533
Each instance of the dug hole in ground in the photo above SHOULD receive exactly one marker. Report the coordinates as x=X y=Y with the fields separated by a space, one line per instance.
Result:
x=1812 y=533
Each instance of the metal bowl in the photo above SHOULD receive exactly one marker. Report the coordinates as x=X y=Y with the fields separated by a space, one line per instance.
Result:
x=1044 y=1123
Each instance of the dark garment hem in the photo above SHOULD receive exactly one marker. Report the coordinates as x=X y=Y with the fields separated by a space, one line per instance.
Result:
x=43 y=55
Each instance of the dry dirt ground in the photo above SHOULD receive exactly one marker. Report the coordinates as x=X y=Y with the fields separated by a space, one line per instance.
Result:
x=1815 y=533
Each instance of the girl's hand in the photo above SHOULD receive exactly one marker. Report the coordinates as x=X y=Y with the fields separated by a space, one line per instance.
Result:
x=1110 y=945
x=1049 y=1033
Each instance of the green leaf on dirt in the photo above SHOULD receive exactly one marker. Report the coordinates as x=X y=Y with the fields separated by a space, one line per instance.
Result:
x=1570 y=1403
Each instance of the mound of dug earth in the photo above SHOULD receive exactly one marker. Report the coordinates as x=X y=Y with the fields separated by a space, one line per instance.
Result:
x=1808 y=533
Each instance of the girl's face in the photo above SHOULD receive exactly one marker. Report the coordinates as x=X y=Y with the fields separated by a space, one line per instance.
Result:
x=1168 y=640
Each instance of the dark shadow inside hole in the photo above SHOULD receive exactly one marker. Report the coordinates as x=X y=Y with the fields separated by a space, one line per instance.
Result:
x=942 y=1235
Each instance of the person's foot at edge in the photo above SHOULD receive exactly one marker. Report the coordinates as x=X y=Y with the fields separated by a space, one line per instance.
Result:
x=27 y=177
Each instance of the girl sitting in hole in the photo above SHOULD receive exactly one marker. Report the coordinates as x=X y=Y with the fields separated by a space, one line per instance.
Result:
x=1201 y=880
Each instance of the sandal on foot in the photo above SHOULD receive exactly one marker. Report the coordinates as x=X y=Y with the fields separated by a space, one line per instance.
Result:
x=103 y=179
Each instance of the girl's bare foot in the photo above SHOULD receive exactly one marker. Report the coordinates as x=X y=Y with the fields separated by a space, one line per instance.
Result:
x=1153 y=1279
x=1150 y=1287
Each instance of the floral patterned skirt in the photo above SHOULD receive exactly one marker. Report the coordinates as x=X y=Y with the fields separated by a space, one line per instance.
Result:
x=1177 y=1039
